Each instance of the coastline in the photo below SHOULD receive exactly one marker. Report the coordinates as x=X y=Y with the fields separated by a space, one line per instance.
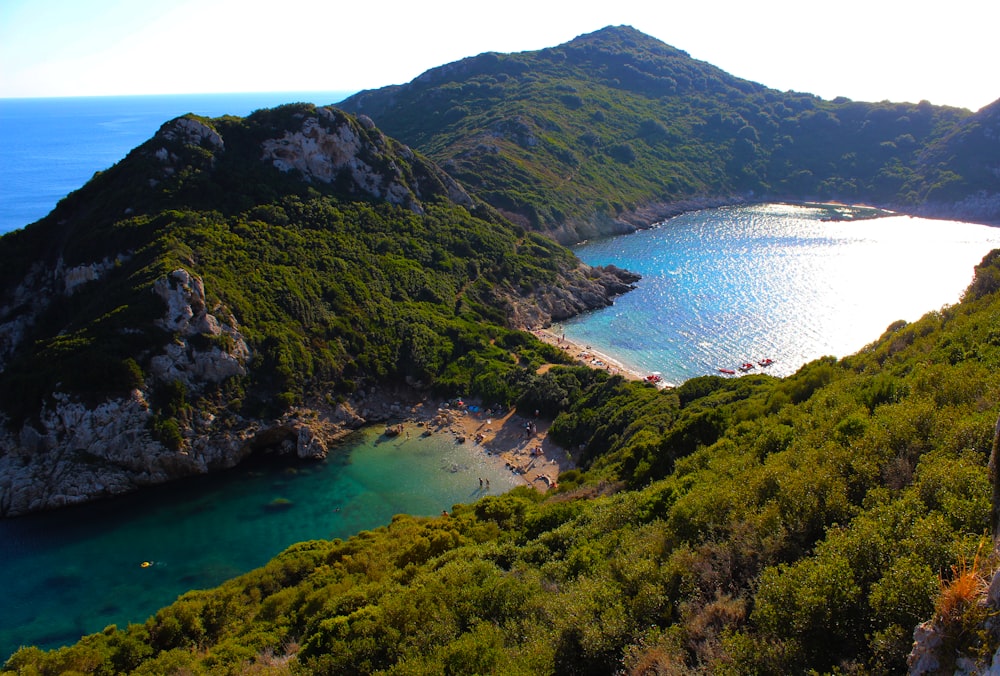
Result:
x=508 y=439
x=587 y=356
x=516 y=442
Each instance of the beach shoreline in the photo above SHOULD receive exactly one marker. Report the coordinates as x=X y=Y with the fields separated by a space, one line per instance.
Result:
x=511 y=440
x=507 y=439
x=587 y=356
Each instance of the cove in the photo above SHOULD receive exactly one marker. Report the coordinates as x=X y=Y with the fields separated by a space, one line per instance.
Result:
x=74 y=571
x=791 y=283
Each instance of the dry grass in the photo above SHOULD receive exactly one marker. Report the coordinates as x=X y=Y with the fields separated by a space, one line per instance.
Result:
x=962 y=613
x=967 y=587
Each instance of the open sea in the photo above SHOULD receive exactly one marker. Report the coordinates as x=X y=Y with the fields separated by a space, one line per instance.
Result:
x=720 y=287
x=52 y=146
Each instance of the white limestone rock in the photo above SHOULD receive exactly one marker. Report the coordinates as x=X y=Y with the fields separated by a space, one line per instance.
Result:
x=327 y=146
x=923 y=657
x=187 y=316
x=193 y=132
x=75 y=277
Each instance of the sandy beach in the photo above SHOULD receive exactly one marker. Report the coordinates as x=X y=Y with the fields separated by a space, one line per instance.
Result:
x=512 y=441
x=516 y=441
x=584 y=354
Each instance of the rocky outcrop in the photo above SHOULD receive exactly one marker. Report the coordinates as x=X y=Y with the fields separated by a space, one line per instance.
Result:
x=330 y=146
x=77 y=451
x=576 y=291
x=191 y=131
x=187 y=317
x=76 y=277
x=181 y=132
x=934 y=650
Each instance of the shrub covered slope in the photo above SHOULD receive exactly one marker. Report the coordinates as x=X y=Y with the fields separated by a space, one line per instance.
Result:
x=749 y=525
x=615 y=127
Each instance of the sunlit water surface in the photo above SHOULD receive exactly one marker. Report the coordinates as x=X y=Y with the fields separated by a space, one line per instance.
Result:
x=723 y=287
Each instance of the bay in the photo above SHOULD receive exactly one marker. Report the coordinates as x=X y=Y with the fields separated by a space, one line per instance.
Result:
x=724 y=287
x=74 y=571
x=49 y=147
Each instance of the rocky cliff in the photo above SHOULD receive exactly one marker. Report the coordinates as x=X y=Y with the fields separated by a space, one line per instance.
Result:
x=75 y=451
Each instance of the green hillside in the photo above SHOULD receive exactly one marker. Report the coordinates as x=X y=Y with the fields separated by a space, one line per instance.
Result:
x=244 y=285
x=959 y=173
x=331 y=289
x=615 y=128
x=740 y=526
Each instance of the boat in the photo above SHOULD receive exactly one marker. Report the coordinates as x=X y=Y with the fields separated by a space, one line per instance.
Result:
x=766 y=362
x=653 y=377
x=746 y=366
x=728 y=372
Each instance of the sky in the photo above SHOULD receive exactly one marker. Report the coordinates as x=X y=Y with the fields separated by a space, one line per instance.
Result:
x=866 y=50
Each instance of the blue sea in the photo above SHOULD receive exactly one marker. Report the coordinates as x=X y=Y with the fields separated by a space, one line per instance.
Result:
x=720 y=287
x=52 y=146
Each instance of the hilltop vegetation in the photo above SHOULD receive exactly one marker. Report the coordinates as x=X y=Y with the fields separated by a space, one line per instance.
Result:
x=749 y=525
x=614 y=127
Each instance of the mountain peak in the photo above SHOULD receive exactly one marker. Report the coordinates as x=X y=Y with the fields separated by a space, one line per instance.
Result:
x=624 y=37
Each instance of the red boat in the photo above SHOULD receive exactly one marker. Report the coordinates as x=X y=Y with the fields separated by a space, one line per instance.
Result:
x=746 y=366
x=766 y=362
x=728 y=372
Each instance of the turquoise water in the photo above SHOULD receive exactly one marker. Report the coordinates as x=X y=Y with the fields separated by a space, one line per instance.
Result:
x=726 y=286
x=73 y=572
